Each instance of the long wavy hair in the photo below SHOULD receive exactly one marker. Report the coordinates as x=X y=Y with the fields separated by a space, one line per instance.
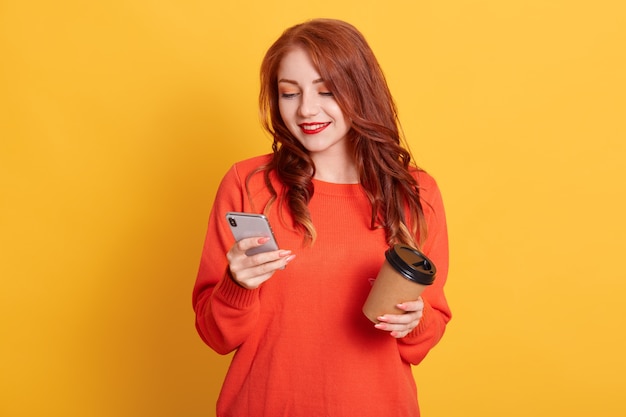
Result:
x=351 y=72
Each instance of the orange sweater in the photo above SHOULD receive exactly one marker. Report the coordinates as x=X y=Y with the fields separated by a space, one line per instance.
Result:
x=303 y=346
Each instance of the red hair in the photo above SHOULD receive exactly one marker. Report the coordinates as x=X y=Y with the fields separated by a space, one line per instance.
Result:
x=351 y=72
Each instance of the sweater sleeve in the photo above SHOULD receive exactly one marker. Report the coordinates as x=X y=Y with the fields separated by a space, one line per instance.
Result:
x=226 y=313
x=416 y=345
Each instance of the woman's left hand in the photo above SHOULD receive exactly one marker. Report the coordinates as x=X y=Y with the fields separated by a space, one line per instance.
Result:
x=399 y=325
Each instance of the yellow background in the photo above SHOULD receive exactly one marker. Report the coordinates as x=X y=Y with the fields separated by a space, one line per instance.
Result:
x=118 y=119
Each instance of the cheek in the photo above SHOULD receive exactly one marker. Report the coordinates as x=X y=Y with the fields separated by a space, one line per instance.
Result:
x=338 y=115
x=285 y=109
x=334 y=107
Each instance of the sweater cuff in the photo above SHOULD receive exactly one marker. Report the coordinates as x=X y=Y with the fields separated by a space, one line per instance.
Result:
x=234 y=294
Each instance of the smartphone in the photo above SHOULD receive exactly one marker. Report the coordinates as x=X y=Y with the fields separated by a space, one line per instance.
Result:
x=244 y=225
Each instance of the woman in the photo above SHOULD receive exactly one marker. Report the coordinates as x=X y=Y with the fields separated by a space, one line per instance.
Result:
x=338 y=189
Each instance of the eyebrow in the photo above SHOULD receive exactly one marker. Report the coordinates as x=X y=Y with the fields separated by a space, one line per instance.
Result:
x=284 y=80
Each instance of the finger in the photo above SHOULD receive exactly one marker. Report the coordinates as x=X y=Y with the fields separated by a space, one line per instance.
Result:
x=399 y=325
x=237 y=258
x=265 y=257
x=397 y=330
x=251 y=242
x=396 y=326
x=412 y=305
x=405 y=318
x=273 y=265
x=399 y=335
x=252 y=277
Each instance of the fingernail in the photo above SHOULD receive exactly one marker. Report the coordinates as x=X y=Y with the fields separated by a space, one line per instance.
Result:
x=284 y=253
x=289 y=259
x=262 y=240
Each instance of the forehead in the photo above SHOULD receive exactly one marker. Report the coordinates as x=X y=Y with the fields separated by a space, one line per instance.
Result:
x=297 y=65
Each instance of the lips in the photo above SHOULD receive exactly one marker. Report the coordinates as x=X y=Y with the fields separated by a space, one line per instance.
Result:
x=313 y=128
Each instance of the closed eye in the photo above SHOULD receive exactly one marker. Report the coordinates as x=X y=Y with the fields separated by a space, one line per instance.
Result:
x=326 y=94
x=288 y=95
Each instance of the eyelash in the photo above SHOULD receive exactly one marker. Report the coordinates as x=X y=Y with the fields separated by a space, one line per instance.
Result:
x=293 y=95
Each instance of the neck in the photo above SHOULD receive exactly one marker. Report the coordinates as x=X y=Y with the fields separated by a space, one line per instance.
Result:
x=339 y=172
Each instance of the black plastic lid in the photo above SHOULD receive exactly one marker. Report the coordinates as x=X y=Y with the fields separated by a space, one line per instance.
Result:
x=411 y=264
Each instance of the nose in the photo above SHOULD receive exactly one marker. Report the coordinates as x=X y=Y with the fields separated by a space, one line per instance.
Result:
x=309 y=105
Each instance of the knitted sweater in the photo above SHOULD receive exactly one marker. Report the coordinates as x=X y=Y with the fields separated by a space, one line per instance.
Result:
x=303 y=346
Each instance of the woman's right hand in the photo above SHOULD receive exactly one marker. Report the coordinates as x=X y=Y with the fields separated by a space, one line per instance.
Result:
x=251 y=271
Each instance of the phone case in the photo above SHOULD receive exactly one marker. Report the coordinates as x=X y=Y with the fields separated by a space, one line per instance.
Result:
x=245 y=225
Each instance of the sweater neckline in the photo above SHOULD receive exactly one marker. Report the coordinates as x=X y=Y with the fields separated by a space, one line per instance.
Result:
x=331 y=188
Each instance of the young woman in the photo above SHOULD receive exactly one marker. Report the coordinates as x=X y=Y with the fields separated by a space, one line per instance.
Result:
x=339 y=189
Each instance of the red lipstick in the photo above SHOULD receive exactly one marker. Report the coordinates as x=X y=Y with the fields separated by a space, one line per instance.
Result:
x=313 y=128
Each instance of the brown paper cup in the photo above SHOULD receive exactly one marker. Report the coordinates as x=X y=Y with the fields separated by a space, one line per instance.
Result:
x=404 y=275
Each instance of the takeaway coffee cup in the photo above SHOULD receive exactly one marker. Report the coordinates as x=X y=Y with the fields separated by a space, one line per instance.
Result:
x=404 y=275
